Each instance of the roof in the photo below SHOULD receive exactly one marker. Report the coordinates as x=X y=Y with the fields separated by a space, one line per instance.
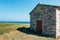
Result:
x=48 y=5
x=44 y=5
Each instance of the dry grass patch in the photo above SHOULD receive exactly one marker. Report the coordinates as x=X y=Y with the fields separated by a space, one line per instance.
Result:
x=58 y=38
x=16 y=35
x=9 y=32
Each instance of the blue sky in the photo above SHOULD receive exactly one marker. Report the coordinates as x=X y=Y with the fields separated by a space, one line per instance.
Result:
x=18 y=10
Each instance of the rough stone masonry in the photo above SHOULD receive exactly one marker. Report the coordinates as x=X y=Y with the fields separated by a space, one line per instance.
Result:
x=50 y=16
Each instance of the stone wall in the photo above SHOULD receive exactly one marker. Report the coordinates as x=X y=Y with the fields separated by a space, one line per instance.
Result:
x=48 y=15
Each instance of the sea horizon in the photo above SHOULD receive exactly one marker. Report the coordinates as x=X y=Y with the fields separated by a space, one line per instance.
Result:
x=16 y=22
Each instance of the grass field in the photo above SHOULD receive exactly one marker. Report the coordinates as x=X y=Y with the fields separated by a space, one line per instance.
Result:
x=9 y=31
x=7 y=27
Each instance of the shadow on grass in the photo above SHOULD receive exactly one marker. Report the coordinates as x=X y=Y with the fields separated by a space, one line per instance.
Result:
x=28 y=31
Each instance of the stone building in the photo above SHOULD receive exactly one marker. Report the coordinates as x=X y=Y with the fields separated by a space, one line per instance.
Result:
x=45 y=19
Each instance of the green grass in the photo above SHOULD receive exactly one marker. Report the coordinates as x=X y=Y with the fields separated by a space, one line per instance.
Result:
x=5 y=24
x=4 y=30
x=7 y=27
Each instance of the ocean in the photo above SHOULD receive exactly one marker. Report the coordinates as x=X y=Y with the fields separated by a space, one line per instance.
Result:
x=15 y=22
x=20 y=22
